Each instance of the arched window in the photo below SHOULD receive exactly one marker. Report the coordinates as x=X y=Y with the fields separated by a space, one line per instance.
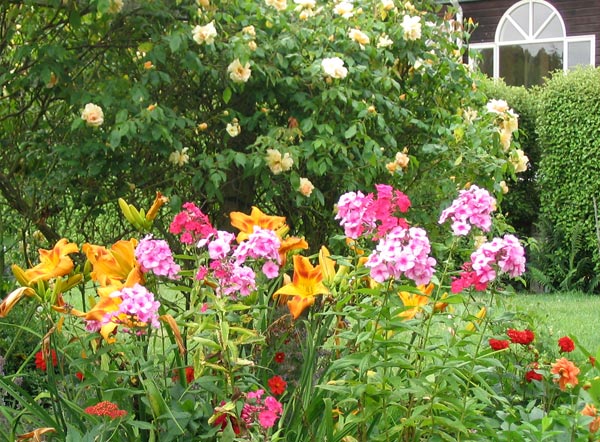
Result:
x=530 y=42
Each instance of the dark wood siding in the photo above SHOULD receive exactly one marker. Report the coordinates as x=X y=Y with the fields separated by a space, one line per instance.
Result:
x=581 y=17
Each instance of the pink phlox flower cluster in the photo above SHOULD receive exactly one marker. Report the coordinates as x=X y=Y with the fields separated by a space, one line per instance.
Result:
x=402 y=252
x=472 y=207
x=136 y=302
x=233 y=278
x=219 y=244
x=360 y=214
x=261 y=244
x=155 y=255
x=192 y=224
x=266 y=412
x=505 y=255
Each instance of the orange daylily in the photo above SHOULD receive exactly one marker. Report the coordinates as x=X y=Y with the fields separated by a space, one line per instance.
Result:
x=289 y=244
x=159 y=201
x=53 y=263
x=114 y=267
x=415 y=300
x=11 y=300
x=36 y=435
x=245 y=223
x=307 y=282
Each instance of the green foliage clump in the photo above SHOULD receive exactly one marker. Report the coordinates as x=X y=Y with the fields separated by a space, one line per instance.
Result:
x=521 y=203
x=568 y=128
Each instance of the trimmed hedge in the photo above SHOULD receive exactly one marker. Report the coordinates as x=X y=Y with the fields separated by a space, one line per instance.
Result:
x=568 y=129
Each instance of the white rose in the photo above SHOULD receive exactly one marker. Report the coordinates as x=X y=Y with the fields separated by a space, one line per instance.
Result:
x=305 y=4
x=497 y=106
x=205 y=34
x=360 y=37
x=520 y=162
x=280 y=5
x=179 y=157
x=334 y=67
x=238 y=72
x=233 y=128
x=411 y=27
x=388 y=5
x=344 y=9
x=384 y=41
x=93 y=115
x=249 y=30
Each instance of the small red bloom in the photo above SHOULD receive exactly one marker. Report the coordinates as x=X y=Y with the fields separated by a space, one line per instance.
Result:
x=279 y=357
x=40 y=361
x=592 y=361
x=533 y=375
x=523 y=337
x=106 y=408
x=79 y=375
x=221 y=420
x=566 y=344
x=499 y=344
x=277 y=385
x=189 y=375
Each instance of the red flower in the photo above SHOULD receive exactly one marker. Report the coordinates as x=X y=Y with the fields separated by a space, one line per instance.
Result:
x=106 y=408
x=533 y=375
x=499 y=344
x=79 y=375
x=189 y=375
x=222 y=418
x=523 y=337
x=566 y=344
x=592 y=361
x=40 y=360
x=277 y=385
x=279 y=357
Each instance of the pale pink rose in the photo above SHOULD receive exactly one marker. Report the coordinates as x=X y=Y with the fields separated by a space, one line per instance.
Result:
x=239 y=73
x=93 y=115
x=306 y=187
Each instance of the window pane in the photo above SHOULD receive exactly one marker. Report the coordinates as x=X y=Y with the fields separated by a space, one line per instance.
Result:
x=540 y=14
x=553 y=29
x=510 y=32
x=521 y=17
x=526 y=65
x=483 y=59
x=579 y=53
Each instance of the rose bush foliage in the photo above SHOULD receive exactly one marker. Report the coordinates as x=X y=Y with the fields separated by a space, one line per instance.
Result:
x=109 y=98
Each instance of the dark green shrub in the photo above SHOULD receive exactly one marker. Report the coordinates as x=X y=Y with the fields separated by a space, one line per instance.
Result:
x=568 y=129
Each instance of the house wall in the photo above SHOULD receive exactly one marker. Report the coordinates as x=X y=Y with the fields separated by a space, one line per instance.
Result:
x=581 y=17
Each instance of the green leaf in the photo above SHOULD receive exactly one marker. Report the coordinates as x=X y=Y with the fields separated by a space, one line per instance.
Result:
x=350 y=132
x=227 y=95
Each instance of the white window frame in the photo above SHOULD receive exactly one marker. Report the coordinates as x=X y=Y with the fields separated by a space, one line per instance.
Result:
x=530 y=36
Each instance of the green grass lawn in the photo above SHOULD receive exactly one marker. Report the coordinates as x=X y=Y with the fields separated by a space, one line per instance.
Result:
x=569 y=313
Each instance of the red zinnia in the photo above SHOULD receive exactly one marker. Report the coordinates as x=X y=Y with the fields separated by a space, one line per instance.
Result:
x=533 y=375
x=277 y=385
x=566 y=344
x=523 y=337
x=105 y=408
x=40 y=360
x=279 y=357
x=498 y=344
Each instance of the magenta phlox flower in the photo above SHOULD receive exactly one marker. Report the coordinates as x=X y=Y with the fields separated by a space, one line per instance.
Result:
x=191 y=224
x=354 y=214
x=137 y=304
x=233 y=278
x=501 y=255
x=266 y=412
x=261 y=244
x=402 y=252
x=219 y=245
x=472 y=207
x=154 y=255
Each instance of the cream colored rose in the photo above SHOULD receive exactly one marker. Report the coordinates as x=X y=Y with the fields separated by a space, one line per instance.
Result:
x=520 y=161
x=205 y=34
x=510 y=121
x=249 y=30
x=280 y=5
x=305 y=4
x=238 y=72
x=505 y=139
x=203 y=3
x=334 y=67
x=503 y=187
x=402 y=159
x=306 y=187
x=115 y=6
x=497 y=106
x=252 y=45
x=179 y=157
x=411 y=26
x=345 y=9
x=384 y=41
x=233 y=128
x=93 y=115
x=388 y=5
x=278 y=163
x=360 y=37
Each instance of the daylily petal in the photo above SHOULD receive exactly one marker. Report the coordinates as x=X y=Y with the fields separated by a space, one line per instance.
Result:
x=12 y=298
x=53 y=263
x=307 y=280
x=327 y=265
x=36 y=434
x=114 y=266
x=245 y=223
x=289 y=244
x=159 y=201
x=298 y=304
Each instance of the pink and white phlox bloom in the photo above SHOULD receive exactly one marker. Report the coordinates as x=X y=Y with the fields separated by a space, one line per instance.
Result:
x=402 y=252
x=233 y=278
x=505 y=254
x=220 y=246
x=154 y=255
x=354 y=214
x=136 y=302
x=472 y=207
x=262 y=243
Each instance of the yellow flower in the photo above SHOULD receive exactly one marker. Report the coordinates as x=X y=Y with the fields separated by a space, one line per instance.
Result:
x=53 y=263
x=415 y=300
x=307 y=283
x=480 y=315
x=245 y=223
x=327 y=265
